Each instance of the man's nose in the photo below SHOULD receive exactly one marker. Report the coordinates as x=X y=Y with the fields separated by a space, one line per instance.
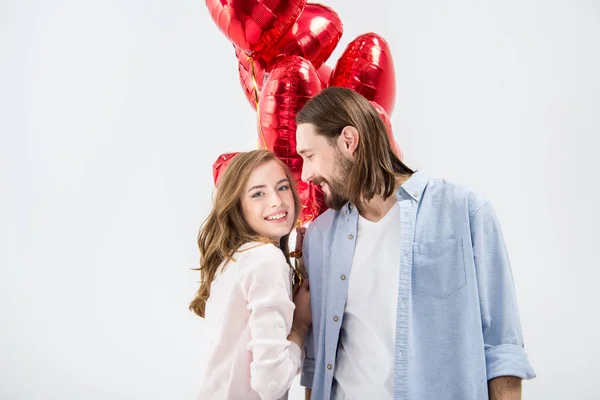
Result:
x=307 y=174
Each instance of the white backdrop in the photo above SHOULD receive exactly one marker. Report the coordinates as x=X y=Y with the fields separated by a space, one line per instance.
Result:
x=112 y=113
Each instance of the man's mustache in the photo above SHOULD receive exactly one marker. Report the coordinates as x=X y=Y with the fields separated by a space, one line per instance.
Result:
x=318 y=181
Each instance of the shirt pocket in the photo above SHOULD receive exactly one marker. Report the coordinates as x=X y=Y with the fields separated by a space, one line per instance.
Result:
x=439 y=267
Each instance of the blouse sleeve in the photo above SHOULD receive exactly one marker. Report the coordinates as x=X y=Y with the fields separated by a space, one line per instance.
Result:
x=266 y=285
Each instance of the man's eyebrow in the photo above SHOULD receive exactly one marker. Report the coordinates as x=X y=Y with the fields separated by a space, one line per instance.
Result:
x=303 y=151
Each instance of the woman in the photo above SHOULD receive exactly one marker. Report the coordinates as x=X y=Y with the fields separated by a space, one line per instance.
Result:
x=255 y=330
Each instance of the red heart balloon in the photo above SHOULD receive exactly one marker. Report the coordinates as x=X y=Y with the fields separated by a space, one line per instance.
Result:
x=220 y=165
x=366 y=66
x=251 y=82
x=313 y=36
x=325 y=74
x=292 y=82
x=388 y=124
x=253 y=25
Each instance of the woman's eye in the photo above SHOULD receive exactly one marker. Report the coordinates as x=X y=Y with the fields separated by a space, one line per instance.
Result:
x=284 y=188
x=257 y=194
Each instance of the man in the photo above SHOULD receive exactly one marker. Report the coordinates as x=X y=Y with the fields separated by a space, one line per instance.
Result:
x=411 y=288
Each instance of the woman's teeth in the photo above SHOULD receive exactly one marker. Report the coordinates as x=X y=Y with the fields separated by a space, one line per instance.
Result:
x=277 y=216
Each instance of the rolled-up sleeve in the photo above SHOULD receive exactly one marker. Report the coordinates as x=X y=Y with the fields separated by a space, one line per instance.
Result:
x=504 y=349
x=275 y=360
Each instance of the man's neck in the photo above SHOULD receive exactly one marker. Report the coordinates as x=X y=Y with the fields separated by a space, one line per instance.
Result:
x=376 y=208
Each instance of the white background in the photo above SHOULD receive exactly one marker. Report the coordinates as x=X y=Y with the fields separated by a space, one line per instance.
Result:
x=112 y=113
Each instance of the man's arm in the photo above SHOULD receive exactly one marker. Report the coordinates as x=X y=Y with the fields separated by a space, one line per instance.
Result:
x=505 y=355
x=503 y=388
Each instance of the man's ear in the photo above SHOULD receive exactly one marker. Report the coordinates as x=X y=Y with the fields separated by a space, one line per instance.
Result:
x=348 y=140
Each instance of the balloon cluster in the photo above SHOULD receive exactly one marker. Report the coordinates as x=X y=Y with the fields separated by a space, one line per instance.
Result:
x=281 y=47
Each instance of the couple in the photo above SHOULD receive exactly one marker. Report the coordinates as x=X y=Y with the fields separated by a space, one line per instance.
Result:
x=411 y=292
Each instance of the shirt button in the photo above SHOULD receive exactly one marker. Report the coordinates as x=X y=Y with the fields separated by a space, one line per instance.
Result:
x=329 y=366
x=350 y=236
x=403 y=303
x=336 y=319
x=343 y=277
x=416 y=194
x=401 y=353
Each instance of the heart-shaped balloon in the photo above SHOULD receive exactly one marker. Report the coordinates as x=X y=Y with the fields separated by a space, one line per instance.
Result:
x=388 y=124
x=220 y=165
x=252 y=74
x=252 y=25
x=292 y=82
x=366 y=66
x=325 y=74
x=313 y=36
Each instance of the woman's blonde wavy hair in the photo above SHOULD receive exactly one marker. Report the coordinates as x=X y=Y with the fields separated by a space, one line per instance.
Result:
x=225 y=229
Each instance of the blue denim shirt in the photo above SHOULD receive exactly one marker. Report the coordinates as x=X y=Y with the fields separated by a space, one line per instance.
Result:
x=457 y=320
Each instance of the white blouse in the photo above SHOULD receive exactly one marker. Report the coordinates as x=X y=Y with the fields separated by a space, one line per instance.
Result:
x=249 y=317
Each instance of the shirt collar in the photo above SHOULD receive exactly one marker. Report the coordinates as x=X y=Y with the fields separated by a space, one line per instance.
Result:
x=413 y=187
x=348 y=208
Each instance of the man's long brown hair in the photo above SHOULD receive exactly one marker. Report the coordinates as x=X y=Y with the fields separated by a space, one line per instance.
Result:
x=225 y=229
x=376 y=167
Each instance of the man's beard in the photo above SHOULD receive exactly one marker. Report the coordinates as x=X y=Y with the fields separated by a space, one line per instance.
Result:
x=337 y=197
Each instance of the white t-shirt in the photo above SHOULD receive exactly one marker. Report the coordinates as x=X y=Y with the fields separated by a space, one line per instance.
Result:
x=365 y=357
x=249 y=316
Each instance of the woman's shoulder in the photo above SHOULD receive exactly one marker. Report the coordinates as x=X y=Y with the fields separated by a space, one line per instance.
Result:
x=259 y=251
x=254 y=254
